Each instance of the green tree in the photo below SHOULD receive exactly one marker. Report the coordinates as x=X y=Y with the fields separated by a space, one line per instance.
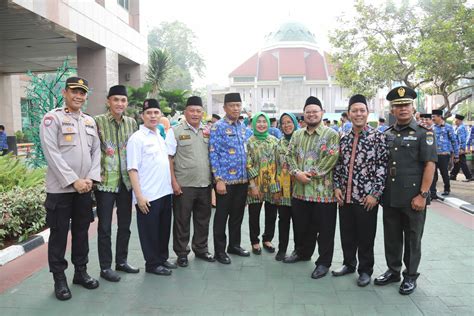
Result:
x=44 y=93
x=159 y=65
x=180 y=41
x=427 y=45
x=176 y=99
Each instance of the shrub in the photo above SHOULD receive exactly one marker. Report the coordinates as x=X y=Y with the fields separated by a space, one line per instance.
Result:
x=14 y=173
x=21 y=213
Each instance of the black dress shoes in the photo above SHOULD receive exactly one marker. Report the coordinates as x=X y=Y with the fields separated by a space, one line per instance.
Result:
x=61 y=289
x=319 y=272
x=110 y=275
x=386 y=278
x=280 y=255
x=408 y=286
x=206 y=256
x=268 y=248
x=239 y=251
x=343 y=271
x=294 y=258
x=256 y=251
x=445 y=193
x=182 y=261
x=223 y=258
x=81 y=277
x=125 y=267
x=169 y=265
x=363 y=280
x=159 y=270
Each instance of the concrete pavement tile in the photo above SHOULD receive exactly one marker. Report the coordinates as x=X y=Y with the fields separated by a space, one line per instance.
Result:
x=336 y=310
x=315 y=298
x=387 y=310
x=252 y=273
x=462 y=310
x=359 y=298
x=284 y=309
x=320 y=285
x=409 y=310
x=363 y=310
x=431 y=304
x=257 y=301
x=282 y=297
x=311 y=309
x=458 y=301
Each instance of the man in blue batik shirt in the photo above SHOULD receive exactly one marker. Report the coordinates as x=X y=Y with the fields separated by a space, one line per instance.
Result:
x=446 y=142
x=228 y=159
x=461 y=132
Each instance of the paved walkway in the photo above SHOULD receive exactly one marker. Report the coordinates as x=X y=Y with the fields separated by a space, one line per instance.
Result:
x=261 y=285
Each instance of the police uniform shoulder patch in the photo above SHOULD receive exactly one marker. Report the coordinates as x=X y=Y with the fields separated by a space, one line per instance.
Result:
x=429 y=138
x=48 y=120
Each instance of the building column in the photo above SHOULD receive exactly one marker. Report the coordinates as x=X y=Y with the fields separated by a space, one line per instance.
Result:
x=10 y=103
x=131 y=75
x=100 y=68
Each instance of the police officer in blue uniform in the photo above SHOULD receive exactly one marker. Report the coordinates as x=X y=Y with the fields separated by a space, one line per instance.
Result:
x=411 y=164
x=446 y=144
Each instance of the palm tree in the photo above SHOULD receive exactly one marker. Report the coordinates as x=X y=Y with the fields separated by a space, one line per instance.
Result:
x=158 y=67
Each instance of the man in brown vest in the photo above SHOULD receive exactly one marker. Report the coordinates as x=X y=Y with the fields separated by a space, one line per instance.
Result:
x=188 y=149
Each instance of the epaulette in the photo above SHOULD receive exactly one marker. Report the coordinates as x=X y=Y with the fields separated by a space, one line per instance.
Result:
x=424 y=125
x=389 y=128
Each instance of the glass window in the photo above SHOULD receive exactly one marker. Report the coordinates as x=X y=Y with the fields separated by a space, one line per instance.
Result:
x=124 y=4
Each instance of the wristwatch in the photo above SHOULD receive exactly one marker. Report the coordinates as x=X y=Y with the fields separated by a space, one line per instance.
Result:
x=424 y=194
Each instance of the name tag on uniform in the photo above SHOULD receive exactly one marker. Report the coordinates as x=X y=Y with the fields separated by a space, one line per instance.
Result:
x=410 y=138
x=184 y=137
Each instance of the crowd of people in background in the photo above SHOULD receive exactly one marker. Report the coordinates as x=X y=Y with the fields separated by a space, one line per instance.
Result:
x=303 y=171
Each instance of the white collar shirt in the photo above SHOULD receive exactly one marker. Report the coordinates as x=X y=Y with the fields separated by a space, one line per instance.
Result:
x=147 y=153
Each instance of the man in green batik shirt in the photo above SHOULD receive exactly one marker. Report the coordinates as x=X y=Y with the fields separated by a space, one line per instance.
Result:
x=312 y=155
x=114 y=131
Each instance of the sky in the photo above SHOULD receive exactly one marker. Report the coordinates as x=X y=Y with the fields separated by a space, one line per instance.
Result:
x=229 y=32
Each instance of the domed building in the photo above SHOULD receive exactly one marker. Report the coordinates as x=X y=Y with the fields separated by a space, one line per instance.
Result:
x=289 y=68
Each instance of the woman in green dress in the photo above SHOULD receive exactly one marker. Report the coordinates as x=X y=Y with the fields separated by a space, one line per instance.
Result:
x=263 y=187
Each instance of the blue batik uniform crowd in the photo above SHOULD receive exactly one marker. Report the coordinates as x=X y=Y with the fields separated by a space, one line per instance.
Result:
x=303 y=174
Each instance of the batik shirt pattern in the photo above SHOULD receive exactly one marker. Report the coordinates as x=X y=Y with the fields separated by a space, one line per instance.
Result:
x=227 y=151
x=316 y=153
x=262 y=167
x=284 y=178
x=362 y=166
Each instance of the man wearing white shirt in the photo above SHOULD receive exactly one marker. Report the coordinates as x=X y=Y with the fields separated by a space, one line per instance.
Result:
x=148 y=168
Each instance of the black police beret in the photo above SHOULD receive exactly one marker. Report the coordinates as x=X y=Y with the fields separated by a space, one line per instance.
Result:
x=312 y=100
x=401 y=95
x=232 y=97
x=216 y=116
x=357 y=98
x=425 y=115
x=151 y=103
x=437 y=112
x=117 y=90
x=459 y=117
x=194 y=100
x=77 y=83
x=381 y=120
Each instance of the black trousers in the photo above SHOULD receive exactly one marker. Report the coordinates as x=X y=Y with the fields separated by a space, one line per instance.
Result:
x=63 y=209
x=461 y=164
x=284 y=218
x=195 y=201
x=229 y=207
x=254 y=222
x=154 y=231
x=403 y=227
x=442 y=165
x=105 y=206
x=358 y=228
x=314 y=222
